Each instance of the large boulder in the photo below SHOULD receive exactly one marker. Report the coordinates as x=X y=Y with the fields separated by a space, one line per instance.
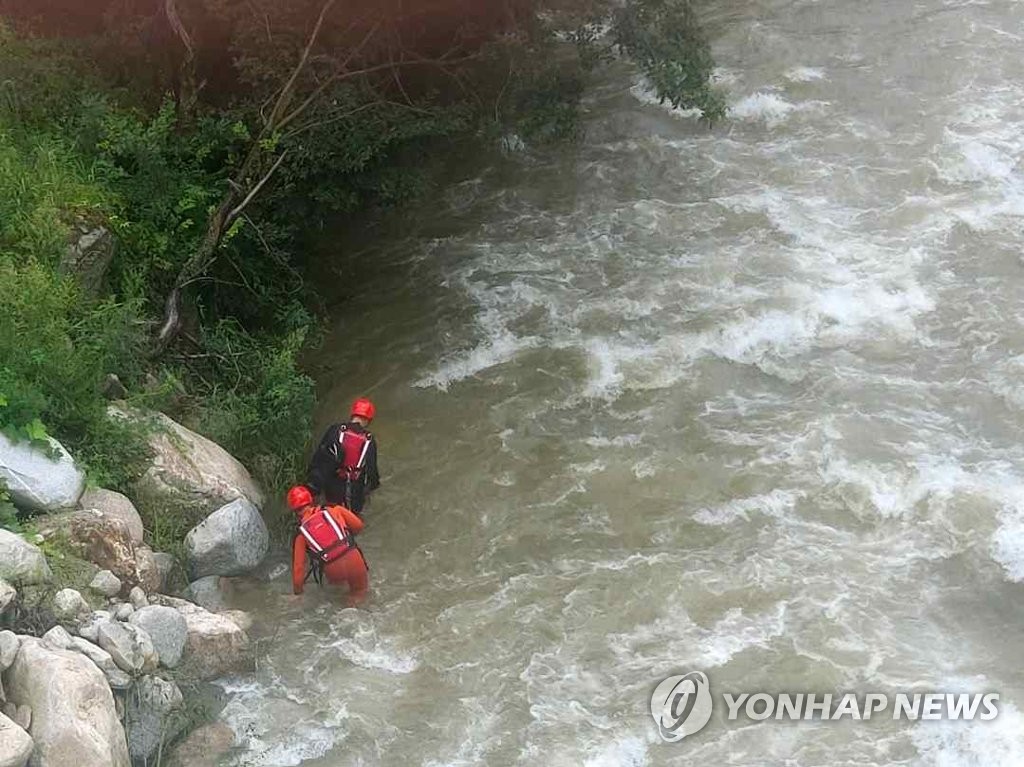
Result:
x=188 y=469
x=216 y=646
x=152 y=716
x=21 y=563
x=15 y=744
x=105 y=541
x=74 y=721
x=233 y=540
x=88 y=256
x=37 y=481
x=111 y=504
x=167 y=629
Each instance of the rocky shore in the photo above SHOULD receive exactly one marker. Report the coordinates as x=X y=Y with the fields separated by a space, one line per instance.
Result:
x=97 y=672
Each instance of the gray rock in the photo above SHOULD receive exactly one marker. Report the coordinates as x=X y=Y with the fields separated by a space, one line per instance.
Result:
x=116 y=506
x=165 y=565
x=233 y=540
x=187 y=469
x=57 y=638
x=70 y=607
x=15 y=744
x=206 y=592
x=89 y=628
x=123 y=611
x=7 y=595
x=21 y=563
x=37 y=481
x=73 y=716
x=106 y=583
x=88 y=257
x=129 y=646
x=204 y=746
x=23 y=717
x=150 y=578
x=9 y=644
x=167 y=629
x=116 y=678
x=151 y=716
x=138 y=598
x=216 y=646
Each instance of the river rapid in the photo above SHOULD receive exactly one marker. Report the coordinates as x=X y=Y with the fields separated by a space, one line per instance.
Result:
x=746 y=400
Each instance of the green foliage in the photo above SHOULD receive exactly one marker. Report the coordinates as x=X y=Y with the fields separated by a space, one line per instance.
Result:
x=261 y=408
x=44 y=186
x=55 y=350
x=666 y=40
x=8 y=514
x=69 y=570
x=166 y=524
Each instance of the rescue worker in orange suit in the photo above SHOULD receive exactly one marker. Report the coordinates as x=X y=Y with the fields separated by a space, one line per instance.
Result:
x=324 y=546
x=344 y=466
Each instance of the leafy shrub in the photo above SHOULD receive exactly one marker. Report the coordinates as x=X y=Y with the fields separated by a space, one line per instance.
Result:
x=665 y=38
x=262 y=407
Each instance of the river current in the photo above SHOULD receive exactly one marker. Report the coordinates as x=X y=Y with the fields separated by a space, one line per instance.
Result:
x=745 y=400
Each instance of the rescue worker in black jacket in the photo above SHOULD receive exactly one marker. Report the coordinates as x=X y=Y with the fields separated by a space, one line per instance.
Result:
x=344 y=466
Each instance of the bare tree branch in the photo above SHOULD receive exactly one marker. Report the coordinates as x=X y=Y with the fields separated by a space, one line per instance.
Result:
x=254 y=191
x=286 y=93
x=171 y=10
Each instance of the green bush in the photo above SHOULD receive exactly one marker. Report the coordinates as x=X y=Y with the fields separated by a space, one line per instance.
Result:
x=55 y=351
x=666 y=40
x=262 y=406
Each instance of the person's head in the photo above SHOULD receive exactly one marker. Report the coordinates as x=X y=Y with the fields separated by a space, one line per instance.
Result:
x=363 y=411
x=299 y=497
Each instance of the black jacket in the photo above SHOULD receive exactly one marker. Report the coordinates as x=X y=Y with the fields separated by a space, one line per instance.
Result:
x=322 y=476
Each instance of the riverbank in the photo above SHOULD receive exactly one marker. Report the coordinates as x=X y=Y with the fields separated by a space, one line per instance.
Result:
x=106 y=645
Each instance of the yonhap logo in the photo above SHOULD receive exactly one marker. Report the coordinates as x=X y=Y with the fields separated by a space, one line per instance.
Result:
x=681 y=705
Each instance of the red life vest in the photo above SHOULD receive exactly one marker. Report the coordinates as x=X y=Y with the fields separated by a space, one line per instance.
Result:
x=325 y=537
x=353 y=447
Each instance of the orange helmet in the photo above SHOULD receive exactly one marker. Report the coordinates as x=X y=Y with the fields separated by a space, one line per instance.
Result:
x=299 y=497
x=363 y=408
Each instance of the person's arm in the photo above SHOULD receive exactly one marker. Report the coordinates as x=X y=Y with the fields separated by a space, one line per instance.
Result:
x=324 y=462
x=347 y=518
x=298 y=564
x=372 y=471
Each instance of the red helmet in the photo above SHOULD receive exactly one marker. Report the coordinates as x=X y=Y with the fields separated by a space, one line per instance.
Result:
x=299 y=497
x=363 y=408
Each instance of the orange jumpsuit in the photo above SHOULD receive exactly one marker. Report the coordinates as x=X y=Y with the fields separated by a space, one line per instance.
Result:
x=349 y=568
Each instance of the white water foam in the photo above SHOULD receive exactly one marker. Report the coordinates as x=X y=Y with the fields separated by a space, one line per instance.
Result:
x=805 y=74
x=999 y=743
x=777 y=504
